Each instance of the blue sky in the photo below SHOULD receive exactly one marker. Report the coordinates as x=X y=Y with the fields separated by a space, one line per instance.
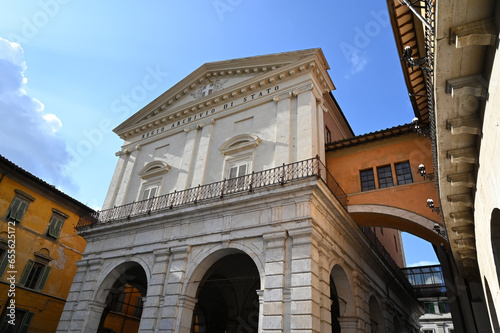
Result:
x=79 y=71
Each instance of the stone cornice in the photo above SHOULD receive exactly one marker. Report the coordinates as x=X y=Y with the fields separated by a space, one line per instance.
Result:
x=161 y=113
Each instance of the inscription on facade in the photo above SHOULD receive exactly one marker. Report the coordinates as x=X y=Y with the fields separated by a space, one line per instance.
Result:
x=206 y=113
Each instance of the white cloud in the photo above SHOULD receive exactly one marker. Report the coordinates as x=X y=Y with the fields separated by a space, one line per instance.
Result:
x=54 y=122
x=27 y=137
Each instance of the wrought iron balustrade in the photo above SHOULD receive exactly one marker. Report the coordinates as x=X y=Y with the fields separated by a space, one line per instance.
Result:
x=280 y=175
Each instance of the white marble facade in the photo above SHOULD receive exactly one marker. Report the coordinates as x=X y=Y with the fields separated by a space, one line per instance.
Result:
x=224 y=120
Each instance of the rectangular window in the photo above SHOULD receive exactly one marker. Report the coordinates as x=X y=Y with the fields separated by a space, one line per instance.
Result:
x=403 y=173
x=236 y=179
x=384 y=176
x=56 y=223
x=3 y=261
x=23 y=321
x=367 y=180
x=17 y=209
x=428 y=331
x=150 y=192
x=138 y=307
x=328 y=135
x=18 y=206
x=35 y=275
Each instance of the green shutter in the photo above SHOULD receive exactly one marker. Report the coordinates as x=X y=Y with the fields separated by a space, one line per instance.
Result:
x=42 y=280
x=25 y=324
x=4 y=260
x=55 y=226
x=26 y=273
x=20 y=212
x=13 y=208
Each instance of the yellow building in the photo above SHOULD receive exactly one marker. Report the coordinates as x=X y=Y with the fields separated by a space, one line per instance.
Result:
x=39 y=248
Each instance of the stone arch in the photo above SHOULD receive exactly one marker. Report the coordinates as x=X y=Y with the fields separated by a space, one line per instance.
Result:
x=377 y=324
x=495 y=239
x=491 y=305
x=115 y=269
x=202 y=262
x=225 y=285
x=111 y=280
x=397 y=218
x=343 y=308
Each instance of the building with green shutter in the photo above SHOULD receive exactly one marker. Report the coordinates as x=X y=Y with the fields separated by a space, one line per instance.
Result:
x=39 y=249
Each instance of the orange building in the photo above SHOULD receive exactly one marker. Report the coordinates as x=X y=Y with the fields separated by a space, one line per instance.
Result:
x=380 y=174
x=39 y=248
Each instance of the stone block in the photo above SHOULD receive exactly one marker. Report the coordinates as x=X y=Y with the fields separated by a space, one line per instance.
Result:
x=301 y=307
x=301 y=293
x=274 y=255
x=273 y=308
x=273 y=281
x=301 y=279
x=301 y=265
x=272 y=295
x=170 y=300
x=274 y=268
x=173 y=288
x=301 y=322
x=272 y=322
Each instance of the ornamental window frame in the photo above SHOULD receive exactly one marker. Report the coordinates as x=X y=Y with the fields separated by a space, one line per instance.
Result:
x=18 y=206
x=36 y=272
x=152 y=175
x=56 y=223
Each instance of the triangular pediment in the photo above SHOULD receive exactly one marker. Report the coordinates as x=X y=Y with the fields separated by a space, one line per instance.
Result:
x=209 y=80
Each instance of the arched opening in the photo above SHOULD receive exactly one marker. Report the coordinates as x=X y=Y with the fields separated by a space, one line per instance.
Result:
x=376 y=318
x=495 y=238
x=124 y=302
x=491 y=306
x=335 y=307
x=342 y=299
x=227 y=297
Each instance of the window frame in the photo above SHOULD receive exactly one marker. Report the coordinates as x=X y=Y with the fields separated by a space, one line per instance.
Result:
x=41 y=279
x=369 y=187
x=404 y=174
x=20 y=198
x=24 y=323
x=56 y=223
x=384 y=173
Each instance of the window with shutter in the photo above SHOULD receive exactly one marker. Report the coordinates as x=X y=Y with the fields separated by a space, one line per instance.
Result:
x=55 y=226
x=17 y=209
x=4 y=260
x=23 y=321
x=35 y=275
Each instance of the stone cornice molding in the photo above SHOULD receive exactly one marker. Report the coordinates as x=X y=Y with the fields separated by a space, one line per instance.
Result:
x=161 y=113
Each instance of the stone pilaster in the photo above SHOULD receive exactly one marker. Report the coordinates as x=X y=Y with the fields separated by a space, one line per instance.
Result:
x=173 y=289
x=306 y=108
x=116 y=180
x=200 y=163
x=122 y=191
x=81 y=310
x=187 y=159
x=305 y=297
x=283 y=128
x=273 y=309
x=154 y=300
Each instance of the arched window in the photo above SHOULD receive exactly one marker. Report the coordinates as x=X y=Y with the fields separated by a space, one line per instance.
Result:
x=152 y=176
x=239 y=151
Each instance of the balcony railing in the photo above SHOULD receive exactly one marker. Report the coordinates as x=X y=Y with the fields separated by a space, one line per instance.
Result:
x=280 y=175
